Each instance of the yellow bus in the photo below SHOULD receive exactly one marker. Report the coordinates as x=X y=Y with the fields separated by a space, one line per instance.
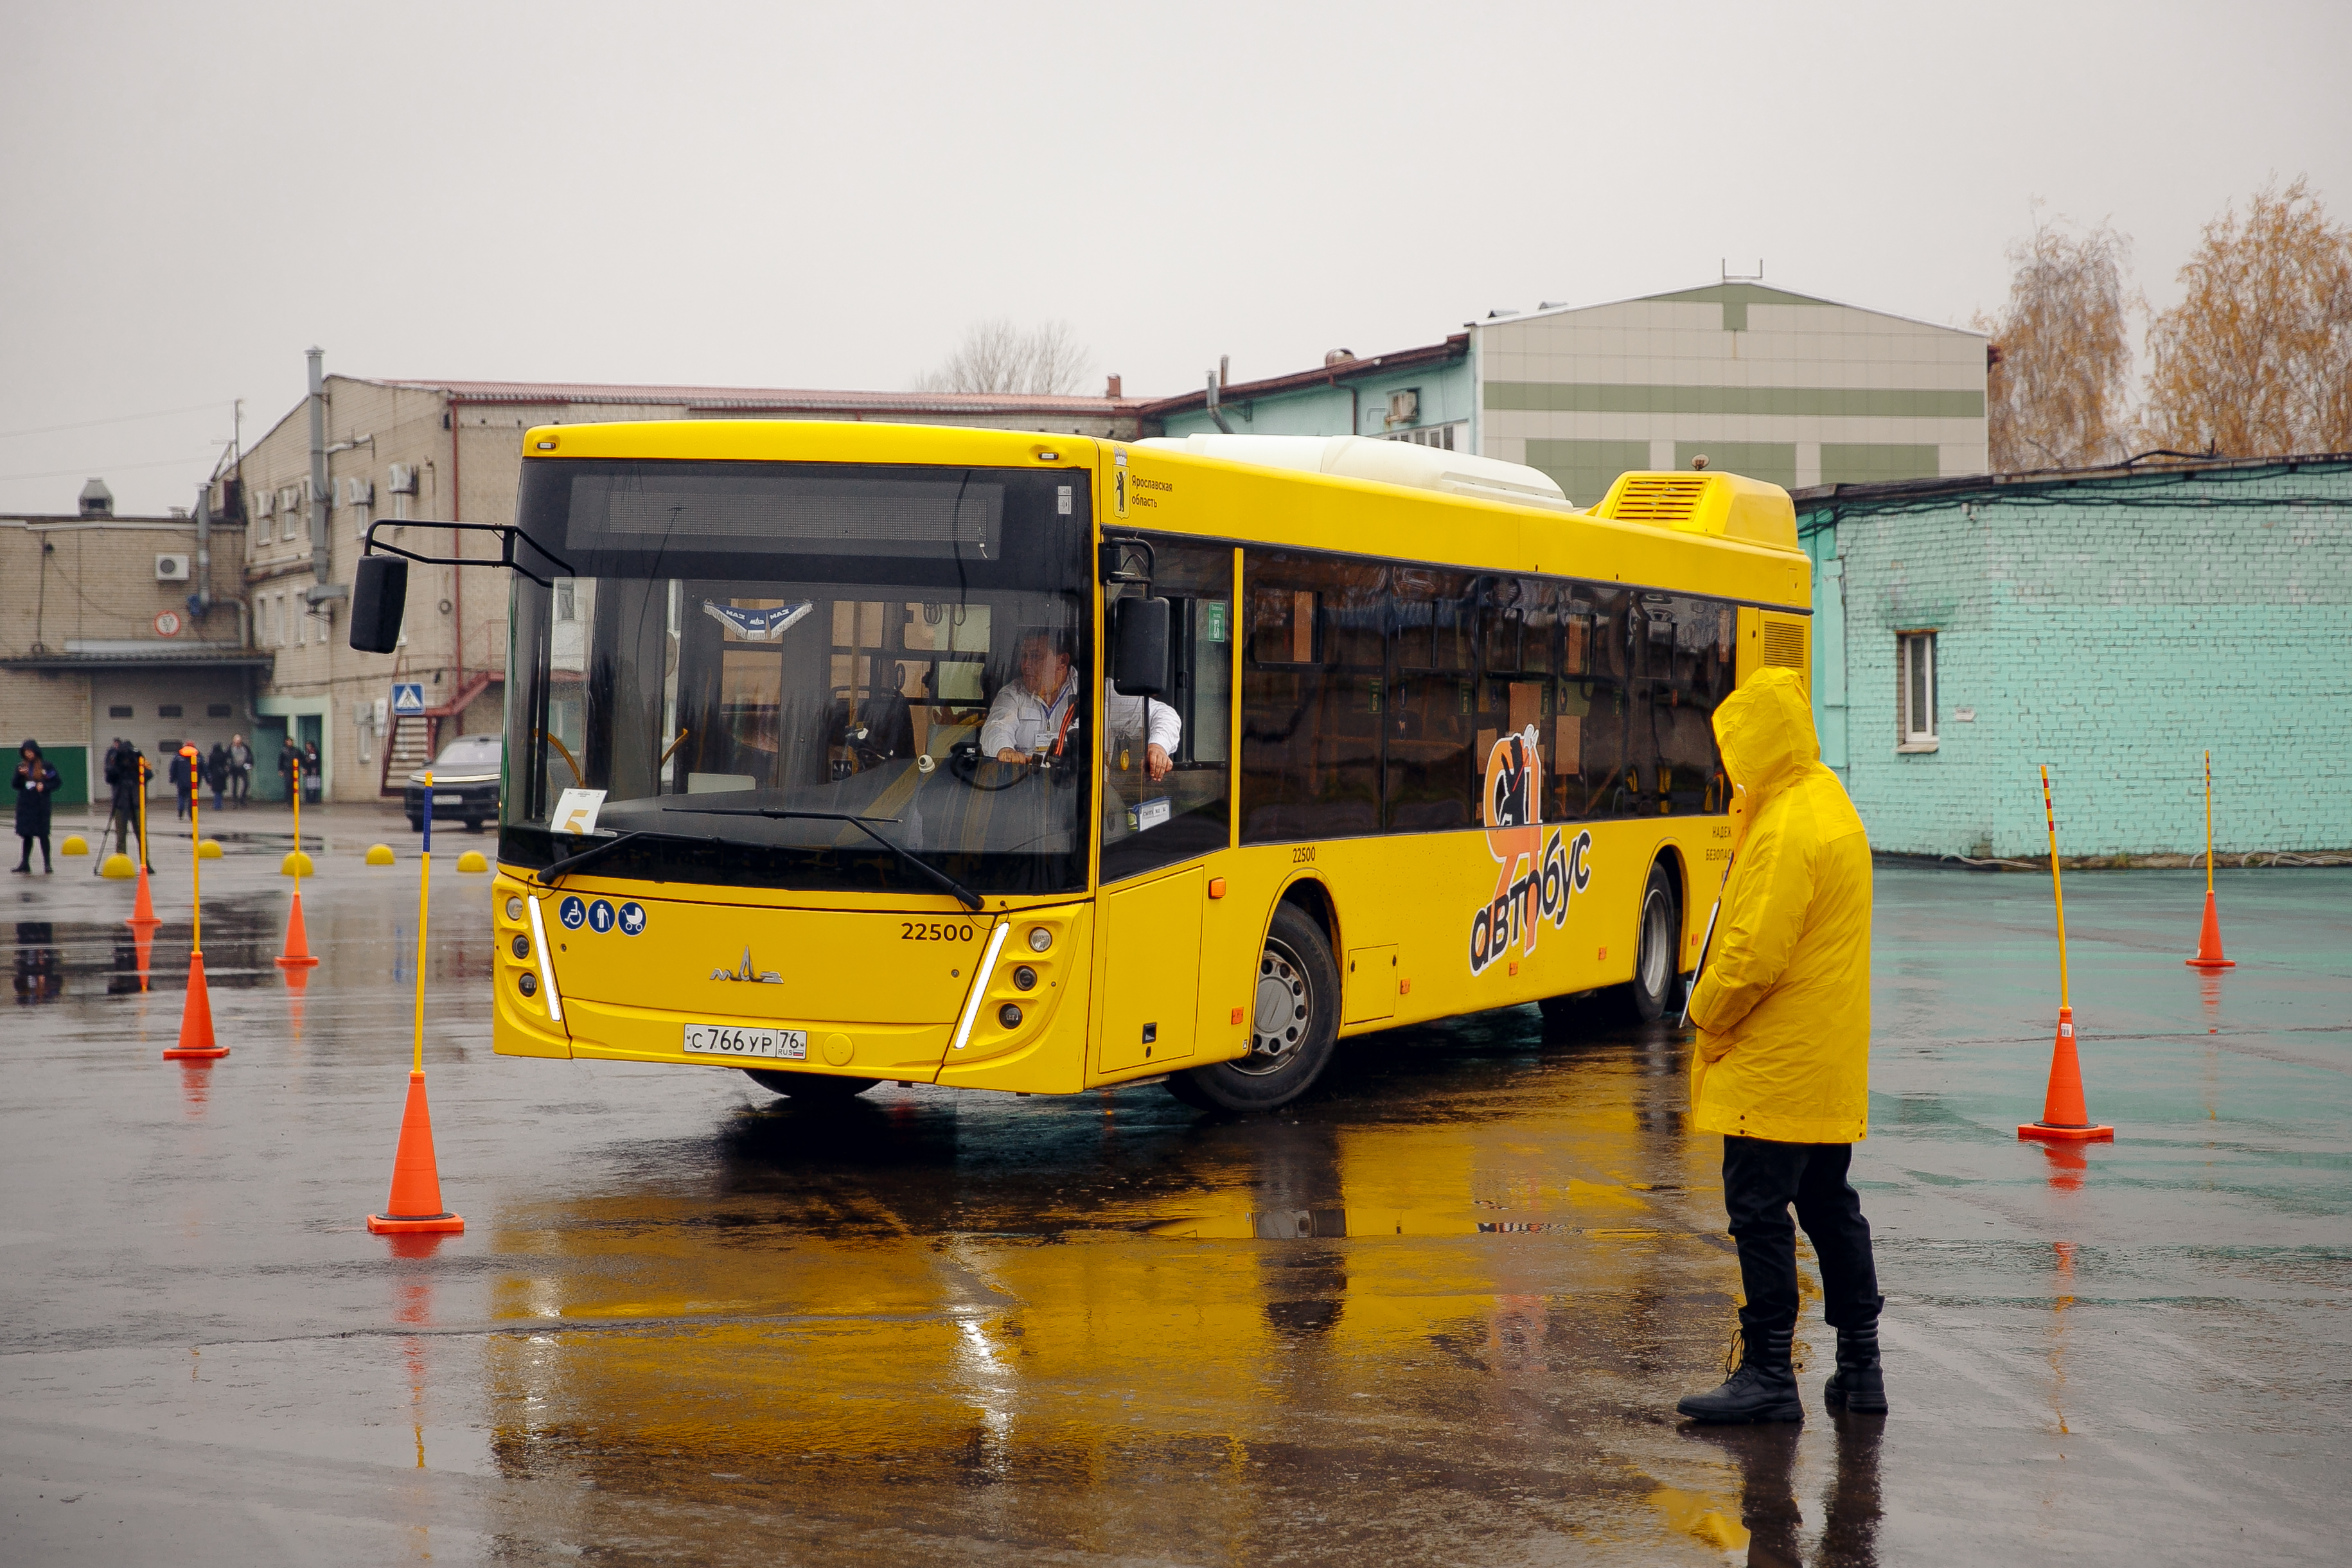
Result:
x=849 y=753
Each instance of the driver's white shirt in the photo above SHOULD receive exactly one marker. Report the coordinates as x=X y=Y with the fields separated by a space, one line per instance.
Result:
x=1020 y=720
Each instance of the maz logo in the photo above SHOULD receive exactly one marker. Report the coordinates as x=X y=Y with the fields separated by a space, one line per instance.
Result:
x=756 y=976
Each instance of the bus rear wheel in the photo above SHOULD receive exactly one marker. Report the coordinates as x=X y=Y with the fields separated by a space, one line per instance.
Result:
x=811 y=1088
x=1294 y=1022
x=1658 y=938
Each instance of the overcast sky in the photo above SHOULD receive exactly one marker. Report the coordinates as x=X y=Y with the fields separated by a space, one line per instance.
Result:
x=790 y=196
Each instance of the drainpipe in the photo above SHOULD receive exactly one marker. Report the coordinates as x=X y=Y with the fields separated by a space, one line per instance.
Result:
x=456 y=550
x=321 y=545
x=200 y=603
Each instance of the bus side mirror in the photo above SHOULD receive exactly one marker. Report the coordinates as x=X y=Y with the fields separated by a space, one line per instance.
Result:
x=379 y=597
x=1139 y=664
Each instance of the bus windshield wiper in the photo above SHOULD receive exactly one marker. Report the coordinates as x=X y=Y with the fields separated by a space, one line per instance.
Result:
x=970 y=899
x=599 y=850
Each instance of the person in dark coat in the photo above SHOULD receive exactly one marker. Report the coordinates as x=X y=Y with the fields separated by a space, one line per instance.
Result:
x=184 y=784
x=123 y=778
x=37 y=786
x=216 y=772
x=240 y=770
x=311 y=772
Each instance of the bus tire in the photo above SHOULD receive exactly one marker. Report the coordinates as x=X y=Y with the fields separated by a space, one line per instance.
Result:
x=1297 y=978
x=811 y=1088
x=1658 y=934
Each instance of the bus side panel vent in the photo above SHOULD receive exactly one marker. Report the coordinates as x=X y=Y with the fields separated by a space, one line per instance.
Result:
x=1784 y=643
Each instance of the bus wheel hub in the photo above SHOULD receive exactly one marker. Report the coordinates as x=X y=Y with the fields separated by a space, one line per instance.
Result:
x=1281 y=1009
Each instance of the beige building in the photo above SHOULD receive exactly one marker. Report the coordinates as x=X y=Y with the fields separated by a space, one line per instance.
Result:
x=412 y=453
x=122 y=626
x=1762 y=382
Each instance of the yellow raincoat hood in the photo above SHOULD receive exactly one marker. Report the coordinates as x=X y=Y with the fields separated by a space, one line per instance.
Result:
x=1783 y=1007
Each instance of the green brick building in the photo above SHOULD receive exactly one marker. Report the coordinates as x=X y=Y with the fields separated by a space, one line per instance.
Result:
x=2113 y=624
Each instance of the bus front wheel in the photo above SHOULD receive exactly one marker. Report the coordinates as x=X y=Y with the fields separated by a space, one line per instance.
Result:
x=811 y=1088
x=1294 y=1021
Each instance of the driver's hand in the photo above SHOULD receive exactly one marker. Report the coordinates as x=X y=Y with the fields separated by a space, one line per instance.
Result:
x=1009 y=755
x=1156 y=763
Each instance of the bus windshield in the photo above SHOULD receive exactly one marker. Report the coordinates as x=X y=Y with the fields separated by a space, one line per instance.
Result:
x=776 y=674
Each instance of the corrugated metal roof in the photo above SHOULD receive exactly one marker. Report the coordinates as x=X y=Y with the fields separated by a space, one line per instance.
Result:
x=762 y=398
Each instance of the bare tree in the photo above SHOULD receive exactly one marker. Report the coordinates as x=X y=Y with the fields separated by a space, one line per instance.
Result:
x=996 y=356
x=2256 y=360
x=2056 y=387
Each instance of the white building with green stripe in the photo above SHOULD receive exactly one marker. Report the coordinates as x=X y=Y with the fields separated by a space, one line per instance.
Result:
x=1774 y=385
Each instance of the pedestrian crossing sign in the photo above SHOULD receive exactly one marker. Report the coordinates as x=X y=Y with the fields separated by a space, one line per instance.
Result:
x=407 y=696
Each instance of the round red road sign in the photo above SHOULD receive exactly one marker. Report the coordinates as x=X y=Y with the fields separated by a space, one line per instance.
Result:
x=167 y=623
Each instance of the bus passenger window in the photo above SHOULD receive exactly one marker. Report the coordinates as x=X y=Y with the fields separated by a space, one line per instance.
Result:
x=1311 y=734
x=1431 y=727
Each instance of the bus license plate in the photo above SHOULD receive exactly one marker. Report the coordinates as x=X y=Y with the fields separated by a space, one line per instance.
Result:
x=449 y=799
x=728 y=1040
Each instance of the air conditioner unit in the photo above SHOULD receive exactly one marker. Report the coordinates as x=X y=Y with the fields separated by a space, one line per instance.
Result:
x=1404 y=407
x=170 y=569
x=404 y=479
x=266 y=504
x=359 y=492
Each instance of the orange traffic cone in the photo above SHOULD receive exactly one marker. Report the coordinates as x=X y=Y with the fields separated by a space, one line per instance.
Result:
x=142 y=908
x=196 y=1018
x=2064 y=1113
x=2209 y=941
x=298 y=940
x=415 y=1203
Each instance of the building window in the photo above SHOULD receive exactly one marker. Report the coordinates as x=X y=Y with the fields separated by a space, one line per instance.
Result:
x=118 y=713
x=1915 y=692
x=216 y=710
x=168 y=710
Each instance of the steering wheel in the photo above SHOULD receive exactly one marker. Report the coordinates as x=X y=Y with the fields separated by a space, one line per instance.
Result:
x=964 y=760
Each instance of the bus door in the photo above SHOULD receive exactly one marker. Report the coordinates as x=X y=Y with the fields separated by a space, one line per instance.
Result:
x=1163 y=817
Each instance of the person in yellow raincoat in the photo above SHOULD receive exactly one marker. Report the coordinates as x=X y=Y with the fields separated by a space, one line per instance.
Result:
x=1781 y=1068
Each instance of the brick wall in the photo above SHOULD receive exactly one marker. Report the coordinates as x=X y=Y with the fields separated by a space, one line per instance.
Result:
x=2116 y=632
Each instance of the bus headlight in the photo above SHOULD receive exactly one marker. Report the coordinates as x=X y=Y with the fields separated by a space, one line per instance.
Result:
x=521 y=945
x=1009 y=1015
x=1040 y=939
x=1024 y=978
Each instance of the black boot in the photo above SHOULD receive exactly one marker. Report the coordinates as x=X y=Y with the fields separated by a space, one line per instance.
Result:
x=1857 y=1385
x=1763 y=1389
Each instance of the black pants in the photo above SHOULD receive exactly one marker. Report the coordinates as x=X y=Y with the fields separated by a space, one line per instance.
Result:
x=27 y=840
x=1761 y=1180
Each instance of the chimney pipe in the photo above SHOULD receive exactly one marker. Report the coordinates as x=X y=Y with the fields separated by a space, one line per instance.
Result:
x=321 y=551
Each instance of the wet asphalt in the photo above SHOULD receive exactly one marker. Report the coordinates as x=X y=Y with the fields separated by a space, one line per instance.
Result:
x=1439 y=1313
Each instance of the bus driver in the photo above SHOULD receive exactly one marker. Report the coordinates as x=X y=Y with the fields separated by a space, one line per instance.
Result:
x=1025 y=721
